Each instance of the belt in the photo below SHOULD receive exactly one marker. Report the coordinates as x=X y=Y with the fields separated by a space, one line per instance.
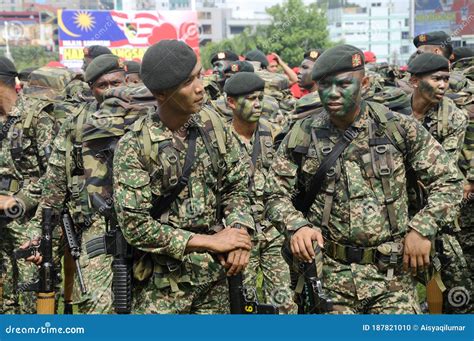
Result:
x=350 y=254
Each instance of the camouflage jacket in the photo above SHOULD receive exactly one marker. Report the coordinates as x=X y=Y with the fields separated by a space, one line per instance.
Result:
x=447 y=123
x=29 y=133
x=147 y=164
x=258 y=164
x=359 y=214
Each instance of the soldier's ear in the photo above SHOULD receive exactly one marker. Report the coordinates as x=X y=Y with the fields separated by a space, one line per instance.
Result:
x=414 y=81
x=365 y=84
x=231 y=102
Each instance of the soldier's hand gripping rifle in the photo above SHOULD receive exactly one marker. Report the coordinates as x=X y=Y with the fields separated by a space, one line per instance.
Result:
x=44 y=286
x=113 y=243
x=306 y=280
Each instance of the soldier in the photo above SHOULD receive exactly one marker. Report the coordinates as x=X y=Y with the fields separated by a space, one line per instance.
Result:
x=348 y=164
x=132 y=72
x=447 y=123
x=176 y=175
x=255 y=137
x=275 y=61
x=463 y=60
x=27 y=132
x=437 y=42
x=305 y=82
x=91 y=52
x=214 y=83
x=64 y=185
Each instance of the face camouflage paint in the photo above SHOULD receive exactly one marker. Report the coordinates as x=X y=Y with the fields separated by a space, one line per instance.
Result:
x=249 y=107
x=340 y=93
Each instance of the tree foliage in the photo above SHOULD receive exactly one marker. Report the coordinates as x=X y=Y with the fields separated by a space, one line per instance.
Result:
x=26 y=56
x=294 y=28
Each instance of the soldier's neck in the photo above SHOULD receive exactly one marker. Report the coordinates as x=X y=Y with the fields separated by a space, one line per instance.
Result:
x=173 y=121
x=243 y=128
x=8 y=97
x=419 y=105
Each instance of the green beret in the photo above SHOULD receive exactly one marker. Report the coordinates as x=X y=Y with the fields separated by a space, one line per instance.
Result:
x=257 y=56
x=102 y=65
x=224 y=55
x=338 y=59
x=312 y=54
x=167 y=64
x=428 y=63
x=131 y=66
x=462 y=52
x=7 y=68
x=95 y=51
x=243 y=83
x=239 y=66
x=434 y=38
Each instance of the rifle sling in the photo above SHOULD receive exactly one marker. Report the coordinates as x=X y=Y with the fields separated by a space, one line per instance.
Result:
x=162 y=204
x=318 y=178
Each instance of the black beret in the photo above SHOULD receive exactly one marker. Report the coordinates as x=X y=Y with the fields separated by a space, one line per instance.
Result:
x=25 y=73
x=167 y=64
x=95 y=51
x=434 y=38
x=224 y=55
x=243 y=83
x=131 y=66
x=257 y=56
x=462 y=52
x=102 y=65
x=7 y=68
x=312 y=54
x=338 y=59
x=428 y=63
x=239 y=66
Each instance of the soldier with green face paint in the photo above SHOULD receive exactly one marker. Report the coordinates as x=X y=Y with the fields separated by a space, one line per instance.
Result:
x=255 y=137
x=447 y=123
x=214 y=83
x=356 y=206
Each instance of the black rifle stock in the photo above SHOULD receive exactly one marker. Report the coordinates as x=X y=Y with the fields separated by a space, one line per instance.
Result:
x=114 y=243
x=243 y=303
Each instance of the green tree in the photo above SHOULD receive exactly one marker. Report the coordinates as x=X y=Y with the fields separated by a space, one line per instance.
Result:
x=26 y=56
x=294 y=28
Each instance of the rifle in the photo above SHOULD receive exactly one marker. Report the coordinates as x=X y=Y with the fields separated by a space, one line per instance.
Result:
x=71 y=260
x=48 y=277
x=113 y=243
x=244 y=300
x=306 y=280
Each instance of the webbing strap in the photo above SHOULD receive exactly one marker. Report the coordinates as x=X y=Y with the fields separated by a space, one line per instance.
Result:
x=162 y=204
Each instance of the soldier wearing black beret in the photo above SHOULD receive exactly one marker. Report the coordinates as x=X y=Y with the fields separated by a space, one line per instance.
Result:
x=7 y=71
x=190 y=144
x=93 y=51
x=305 y=81
x=438 y=42
x=221 y=61
x=257 y=56
x=105 y=71
x=238 y=66
x=132 y=72
x=461 y=53
x=8 y=94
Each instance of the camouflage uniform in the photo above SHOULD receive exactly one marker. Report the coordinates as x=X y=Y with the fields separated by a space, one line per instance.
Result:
x=29 y=130
x=351 y=210
x=147 y=163
x=267 y=242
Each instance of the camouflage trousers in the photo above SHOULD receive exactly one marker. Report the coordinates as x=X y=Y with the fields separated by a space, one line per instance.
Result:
x=266 y=258
x=97 y=273
x=363 y=289
x=13 y=272
x=207 y=298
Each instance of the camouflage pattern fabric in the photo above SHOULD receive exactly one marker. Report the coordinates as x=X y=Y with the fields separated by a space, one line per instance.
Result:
x=211 y=87
x=22 y=163
x=277 y=86
x=393 y=98
x=138 y=176
x=358 y=216
x=267 y=242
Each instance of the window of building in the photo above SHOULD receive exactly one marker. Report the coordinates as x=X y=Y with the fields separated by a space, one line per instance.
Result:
x=206 y=29
x=338 y=24
x=236 y=29
x=405 y=35
x=404 y=49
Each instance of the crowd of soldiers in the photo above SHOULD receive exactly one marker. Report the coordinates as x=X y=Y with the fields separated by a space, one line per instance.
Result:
x=163 y=185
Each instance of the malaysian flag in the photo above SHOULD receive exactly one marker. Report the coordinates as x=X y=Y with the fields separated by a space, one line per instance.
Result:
x=137 y=26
